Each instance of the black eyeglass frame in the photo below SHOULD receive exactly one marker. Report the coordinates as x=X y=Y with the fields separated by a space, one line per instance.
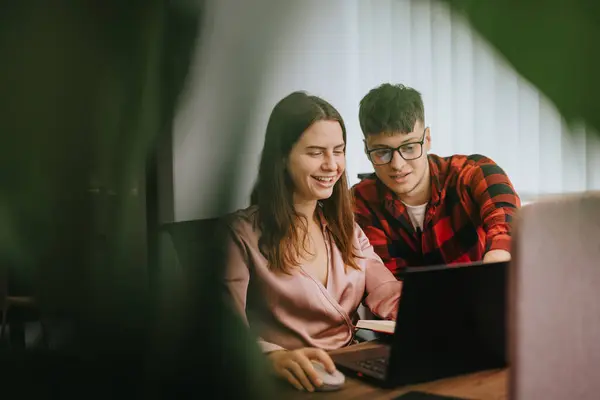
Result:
x=397 y=150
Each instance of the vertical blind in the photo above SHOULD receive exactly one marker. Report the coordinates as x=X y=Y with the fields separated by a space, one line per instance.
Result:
x=475 y=102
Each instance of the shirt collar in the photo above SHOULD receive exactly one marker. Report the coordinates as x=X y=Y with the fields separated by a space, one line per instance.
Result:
x=321 y=216
x=436 y=182
x=389 y=196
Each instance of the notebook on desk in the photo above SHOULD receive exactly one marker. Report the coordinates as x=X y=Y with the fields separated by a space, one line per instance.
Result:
x=451 y=321
x=380 y=326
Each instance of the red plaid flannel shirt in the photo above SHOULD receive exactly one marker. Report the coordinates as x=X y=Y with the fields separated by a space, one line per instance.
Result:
x=470 y=211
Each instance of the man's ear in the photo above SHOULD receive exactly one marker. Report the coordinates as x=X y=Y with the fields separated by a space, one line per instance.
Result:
x=427 y=139
x=365 y=145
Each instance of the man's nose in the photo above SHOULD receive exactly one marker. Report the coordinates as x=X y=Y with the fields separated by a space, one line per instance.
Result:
x=397 y=161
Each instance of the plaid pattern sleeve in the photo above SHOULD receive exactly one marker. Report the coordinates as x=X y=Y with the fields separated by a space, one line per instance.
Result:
x=374 y=229
x=495 y=198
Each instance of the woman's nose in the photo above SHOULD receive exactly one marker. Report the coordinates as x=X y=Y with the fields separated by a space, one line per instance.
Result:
x=329 y=163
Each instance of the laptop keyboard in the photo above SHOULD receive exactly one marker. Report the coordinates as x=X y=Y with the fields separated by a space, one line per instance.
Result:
x=378 y=365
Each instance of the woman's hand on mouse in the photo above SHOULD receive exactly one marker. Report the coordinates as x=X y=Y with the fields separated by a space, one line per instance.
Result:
x=295 y=366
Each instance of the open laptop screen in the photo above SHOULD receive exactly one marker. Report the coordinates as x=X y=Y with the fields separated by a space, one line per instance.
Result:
x=451 y=320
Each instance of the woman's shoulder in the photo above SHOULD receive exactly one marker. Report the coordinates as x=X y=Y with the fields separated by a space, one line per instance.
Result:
x=359 y=237
x=358 y=232
x=243 y=221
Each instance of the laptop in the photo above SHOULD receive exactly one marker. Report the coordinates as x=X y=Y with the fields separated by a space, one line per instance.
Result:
x=451 y=321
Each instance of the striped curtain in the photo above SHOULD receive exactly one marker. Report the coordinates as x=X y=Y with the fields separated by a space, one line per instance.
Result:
x=474 y=100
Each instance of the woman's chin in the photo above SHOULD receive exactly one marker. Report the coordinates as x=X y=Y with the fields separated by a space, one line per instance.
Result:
x=323 y=194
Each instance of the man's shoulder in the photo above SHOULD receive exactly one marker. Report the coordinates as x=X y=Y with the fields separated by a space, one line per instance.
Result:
x=459 y=161
x=366 y=189
x=461 y=164
x=465 y=172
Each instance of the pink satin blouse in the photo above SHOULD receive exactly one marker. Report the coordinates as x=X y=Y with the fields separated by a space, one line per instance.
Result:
x=293 y=311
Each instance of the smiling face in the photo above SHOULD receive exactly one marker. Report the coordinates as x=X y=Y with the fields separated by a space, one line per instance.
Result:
x=317 y=161
x=408 y=179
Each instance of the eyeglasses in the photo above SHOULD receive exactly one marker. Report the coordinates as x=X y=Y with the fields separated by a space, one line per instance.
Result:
x=408 y=151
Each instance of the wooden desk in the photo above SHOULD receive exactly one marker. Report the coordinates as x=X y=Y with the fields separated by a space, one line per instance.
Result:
x=484 y=385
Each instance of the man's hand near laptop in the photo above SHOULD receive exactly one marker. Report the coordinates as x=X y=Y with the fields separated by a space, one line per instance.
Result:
x=296 y=366
x=496 y=256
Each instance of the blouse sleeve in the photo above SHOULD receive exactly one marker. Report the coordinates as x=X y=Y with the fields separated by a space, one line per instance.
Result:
x=383 y=290
x=237 y=279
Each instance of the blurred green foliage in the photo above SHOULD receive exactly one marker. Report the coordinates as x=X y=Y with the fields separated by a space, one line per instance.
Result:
x=552 y=43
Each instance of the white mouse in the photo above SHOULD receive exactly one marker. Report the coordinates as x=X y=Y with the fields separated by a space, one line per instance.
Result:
x=331 y=382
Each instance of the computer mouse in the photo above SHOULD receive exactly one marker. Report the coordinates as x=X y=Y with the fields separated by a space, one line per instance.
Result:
x=331 y=382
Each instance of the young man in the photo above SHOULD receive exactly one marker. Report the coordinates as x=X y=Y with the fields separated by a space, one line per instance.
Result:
x=422 y=209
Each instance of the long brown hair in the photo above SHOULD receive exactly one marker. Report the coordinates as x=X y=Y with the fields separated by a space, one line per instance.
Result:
x=281 y=240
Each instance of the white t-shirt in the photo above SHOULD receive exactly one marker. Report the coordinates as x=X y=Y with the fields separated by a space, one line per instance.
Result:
x=417 y=215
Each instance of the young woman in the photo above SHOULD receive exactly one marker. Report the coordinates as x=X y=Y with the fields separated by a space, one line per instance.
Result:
x=299 y=266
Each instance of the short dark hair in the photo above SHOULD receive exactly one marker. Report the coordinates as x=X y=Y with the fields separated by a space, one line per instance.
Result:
x=390 y=108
